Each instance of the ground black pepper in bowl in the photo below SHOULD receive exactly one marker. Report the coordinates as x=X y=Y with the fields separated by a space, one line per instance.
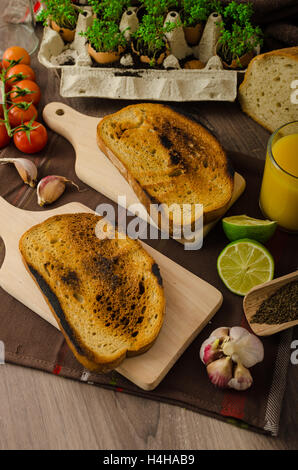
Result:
x=280 y=307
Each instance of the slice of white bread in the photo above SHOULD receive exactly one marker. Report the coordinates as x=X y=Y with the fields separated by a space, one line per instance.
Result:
x=168 y=158
x=106 y=294
x=265 y=94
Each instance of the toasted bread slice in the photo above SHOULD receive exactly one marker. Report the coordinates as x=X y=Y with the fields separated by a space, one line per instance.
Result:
x=168 y=159
x=106 y=294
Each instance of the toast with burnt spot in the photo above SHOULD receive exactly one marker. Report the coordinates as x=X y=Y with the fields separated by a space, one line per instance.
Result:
x=168 y=158
x=106 y=294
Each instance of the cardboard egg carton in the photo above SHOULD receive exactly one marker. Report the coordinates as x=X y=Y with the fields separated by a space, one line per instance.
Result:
x=79 y=78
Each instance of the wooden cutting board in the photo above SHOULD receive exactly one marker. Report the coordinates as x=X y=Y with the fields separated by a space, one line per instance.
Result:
x=93 y=167
x=191 y=302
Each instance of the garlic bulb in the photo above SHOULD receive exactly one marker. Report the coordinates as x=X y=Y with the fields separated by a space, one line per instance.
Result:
x=26 y=169
x=228 y=353
x=50 y=188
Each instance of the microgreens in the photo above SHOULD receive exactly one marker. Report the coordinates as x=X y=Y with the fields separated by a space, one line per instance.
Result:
x=238 y=13
x=109 y=10
x=159 y=7
x=238 y=34
x=150 y=36
x=104 y=36
x=197 y=11
x=62 y=12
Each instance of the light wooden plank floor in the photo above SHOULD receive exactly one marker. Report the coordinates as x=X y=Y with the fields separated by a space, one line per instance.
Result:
x=42 y=411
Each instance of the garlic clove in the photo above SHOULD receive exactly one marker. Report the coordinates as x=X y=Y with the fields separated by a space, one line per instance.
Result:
x=26 y=169
x=237 y=332
x=210 y=350
x=50 y=188
x=242 y=379
x=220 y=372
x=244 y=347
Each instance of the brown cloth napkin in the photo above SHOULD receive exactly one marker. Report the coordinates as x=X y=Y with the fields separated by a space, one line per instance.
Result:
x=31 y=341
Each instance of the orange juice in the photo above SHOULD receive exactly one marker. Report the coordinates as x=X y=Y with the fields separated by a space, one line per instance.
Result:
x=279 y=193
x=285 y=153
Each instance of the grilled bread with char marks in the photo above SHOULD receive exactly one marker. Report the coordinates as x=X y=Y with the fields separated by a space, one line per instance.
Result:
x=106 y=294
x=168 y=158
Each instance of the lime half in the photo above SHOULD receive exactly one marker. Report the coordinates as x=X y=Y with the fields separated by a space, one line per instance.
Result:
x=242 y=226
x=244 y=264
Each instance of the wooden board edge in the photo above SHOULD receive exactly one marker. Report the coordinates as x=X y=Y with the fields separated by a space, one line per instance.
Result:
x=152 y=383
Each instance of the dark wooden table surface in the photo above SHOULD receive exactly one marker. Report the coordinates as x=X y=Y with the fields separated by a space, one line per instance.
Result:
x=41 y=411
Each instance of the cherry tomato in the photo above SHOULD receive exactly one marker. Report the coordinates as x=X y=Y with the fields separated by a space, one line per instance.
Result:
x=38 y=138
x=22 y=72
x=4 y=138
x=15 y=53
x=1 y=112
x=31 y=97
x=18 y=116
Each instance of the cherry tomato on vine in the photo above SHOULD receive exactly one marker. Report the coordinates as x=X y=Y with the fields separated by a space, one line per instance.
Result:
x=18 y=116
x=33 y=97
x=38 y=138
x=15 y=53
x=22 y=72
x=4 y=137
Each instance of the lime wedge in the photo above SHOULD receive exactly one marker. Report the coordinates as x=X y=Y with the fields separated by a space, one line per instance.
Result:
x=244 y=264
x=242 y=226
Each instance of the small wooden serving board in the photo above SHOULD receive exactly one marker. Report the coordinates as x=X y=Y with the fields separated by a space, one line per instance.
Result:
x=190 y=301
x=94 y=168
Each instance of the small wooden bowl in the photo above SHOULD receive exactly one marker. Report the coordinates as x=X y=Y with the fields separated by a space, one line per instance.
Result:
x=257 y=295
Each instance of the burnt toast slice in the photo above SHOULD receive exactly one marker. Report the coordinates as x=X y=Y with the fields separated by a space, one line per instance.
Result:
x=106 y=294
x=168 y=158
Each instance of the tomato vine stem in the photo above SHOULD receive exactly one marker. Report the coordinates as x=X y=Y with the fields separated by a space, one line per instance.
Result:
x=5 y=95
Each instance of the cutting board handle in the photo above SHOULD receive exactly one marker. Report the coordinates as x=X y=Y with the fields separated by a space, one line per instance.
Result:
x=63 y=120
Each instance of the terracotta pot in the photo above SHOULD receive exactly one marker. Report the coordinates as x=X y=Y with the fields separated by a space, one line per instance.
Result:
x=66 y=34
x=193 y=34
x=104 y=57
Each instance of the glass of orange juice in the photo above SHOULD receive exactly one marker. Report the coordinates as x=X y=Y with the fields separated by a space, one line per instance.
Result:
x=279 y=192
